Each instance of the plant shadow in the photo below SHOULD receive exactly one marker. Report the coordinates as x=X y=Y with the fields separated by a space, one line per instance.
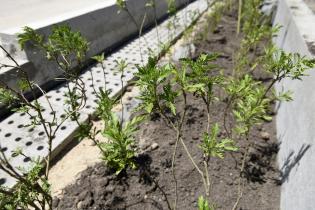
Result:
x=260 y=162
x=291 y=162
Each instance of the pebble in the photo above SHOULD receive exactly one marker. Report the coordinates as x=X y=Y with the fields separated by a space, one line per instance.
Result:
x=221 y=39
x=154 y=146
x=172 y=142
x=265 y=135
x=229 y=182
x=79 y=205
x=103 y=182
x=143 y=143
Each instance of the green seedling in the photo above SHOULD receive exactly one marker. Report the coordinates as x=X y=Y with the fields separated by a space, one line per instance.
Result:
x=203 y=204
x=119 y=152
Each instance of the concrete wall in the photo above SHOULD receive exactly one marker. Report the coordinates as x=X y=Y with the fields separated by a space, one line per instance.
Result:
x=296 y=119
x=101 y=25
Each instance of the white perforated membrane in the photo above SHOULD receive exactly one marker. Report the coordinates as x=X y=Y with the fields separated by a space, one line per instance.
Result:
x=33 y=141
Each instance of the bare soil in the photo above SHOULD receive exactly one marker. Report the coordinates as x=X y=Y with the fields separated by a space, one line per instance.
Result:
x=99 y=188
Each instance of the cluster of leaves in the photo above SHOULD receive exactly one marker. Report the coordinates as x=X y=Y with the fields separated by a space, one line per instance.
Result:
x=121 y=4
x=26 y=193
x=250 y=104
x=286 y=65
x=7 y=97
x=200 y=81
x=63 y=45
x=171 y=7
x=150 y=77
x=203 y=204
x=212 y=147
x=119 y=151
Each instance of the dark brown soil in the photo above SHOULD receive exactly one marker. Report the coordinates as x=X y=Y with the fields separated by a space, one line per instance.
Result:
x=98 y=188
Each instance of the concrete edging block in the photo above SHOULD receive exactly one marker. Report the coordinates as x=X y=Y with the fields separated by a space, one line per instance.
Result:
x=296 y=120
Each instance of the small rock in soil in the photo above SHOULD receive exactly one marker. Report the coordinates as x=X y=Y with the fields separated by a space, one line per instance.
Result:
x=83 y=195
x=172 y=142
x=102 y=182
x=265 y=135
x=219 y=39
x=229 y=182
x=79 y=205
x=154 y=146
x=252 y=151
x=55 y=202
x=195 y=137
x=143 y=143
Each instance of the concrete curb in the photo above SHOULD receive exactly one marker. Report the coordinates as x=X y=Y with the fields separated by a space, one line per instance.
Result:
x=296 y=119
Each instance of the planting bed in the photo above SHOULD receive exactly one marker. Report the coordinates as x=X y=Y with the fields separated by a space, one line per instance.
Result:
x=99 y=188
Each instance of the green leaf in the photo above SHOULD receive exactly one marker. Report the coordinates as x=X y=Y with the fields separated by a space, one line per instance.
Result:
x=149 y=107
x=213 y=147
x=99 y=58
x=203 y=204
x=172 y=107
x=29 y=35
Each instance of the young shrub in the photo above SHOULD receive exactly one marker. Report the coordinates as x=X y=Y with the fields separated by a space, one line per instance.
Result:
x=119 y=152
x=122 y=5
x=66 y=48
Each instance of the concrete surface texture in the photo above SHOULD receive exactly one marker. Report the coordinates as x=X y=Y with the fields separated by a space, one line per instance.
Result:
x=296 y=119
x=19 y=13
